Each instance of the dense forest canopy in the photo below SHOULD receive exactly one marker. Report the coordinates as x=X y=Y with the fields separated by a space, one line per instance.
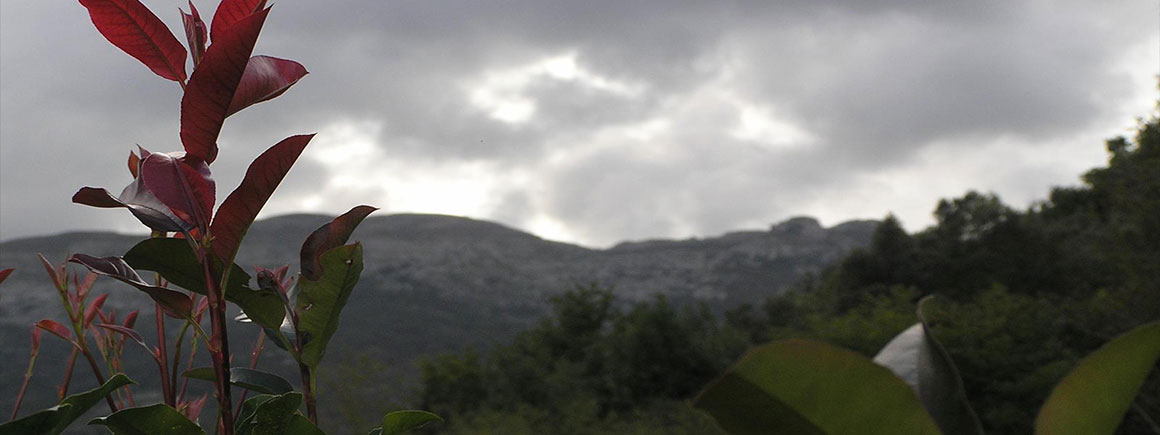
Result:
x=1023 y=295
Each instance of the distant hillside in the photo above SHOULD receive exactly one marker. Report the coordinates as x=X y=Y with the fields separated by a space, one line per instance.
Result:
x=437 y=283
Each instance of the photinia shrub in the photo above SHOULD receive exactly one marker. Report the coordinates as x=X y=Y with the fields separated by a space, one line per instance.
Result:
x=193 y=246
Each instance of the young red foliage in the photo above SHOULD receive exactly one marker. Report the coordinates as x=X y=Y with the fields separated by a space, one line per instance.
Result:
x=184 y=185
x=211 y=87
x=230 y=12
x=195 y=33
x=329 y=236
x=241 y=207
x=130 y=26
x=265 y=78
x=56 y=329
x=4 y=274
x=94 y=308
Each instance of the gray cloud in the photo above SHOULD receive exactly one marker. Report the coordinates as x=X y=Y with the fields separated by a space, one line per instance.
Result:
x=676 y=119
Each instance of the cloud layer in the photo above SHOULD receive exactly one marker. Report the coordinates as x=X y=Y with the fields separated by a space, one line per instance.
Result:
x=603 y=121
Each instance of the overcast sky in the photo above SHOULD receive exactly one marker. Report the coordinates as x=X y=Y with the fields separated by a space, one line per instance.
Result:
x=600 y=121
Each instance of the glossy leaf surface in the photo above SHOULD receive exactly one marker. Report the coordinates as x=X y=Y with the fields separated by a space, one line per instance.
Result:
x=152 y=419
x=211 y=87
x=920 y=360
x=241 y=207
x=319 y=302
x=265 y=78
x=174 y=303
x=134 y=29
x=805 y=387
x=1093 y=398
x=230 y=12
x=144 y=206
x=177 y=263
x=329 y=236
x=55 y=328
x=184 y=185
x=55 y=420
x=255 y=380
x=267 y=414
x=398 y=422
x=196 y=33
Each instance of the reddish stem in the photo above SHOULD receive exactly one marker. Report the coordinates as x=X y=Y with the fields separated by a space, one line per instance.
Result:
x=100 y=378
x=257 y=352
x=166 y=386
x=24 y=386
x=219 y=346
x=72 y=362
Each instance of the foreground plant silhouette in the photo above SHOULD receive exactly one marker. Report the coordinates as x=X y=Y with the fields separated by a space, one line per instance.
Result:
x=193 y=246
x=913 y=387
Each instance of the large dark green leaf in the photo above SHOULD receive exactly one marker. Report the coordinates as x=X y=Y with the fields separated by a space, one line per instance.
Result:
x=267 y=414
x=176 y=261
x=54 y=420
x=319 y=302
x=395 y=423
x=254 y=380
x=920 y=360
x=148 y=420
x=806 y=387
x=1094 y=397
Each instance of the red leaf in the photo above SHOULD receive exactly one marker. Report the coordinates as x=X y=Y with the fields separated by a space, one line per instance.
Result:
x=131 y=319
x=4 y=274
x=34 y=335
x=240 y=209
x=57 y=276
x=128 y=332
x=134 y=163
x=94 y=308
x=329 y=236
x=174 y=303
x=130 y=26
x=83 y=287
x=55 y=328
x=211 y=87
x=230 y=12
x=195 y=33
x=144 y=206
x=184 y=185
x=265 y=78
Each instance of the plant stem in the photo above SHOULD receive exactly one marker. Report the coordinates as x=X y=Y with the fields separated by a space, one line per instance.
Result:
x=166 y=386
x=219 y=346
x=257 y=352
x=308 y=388
x=72 y=362
x=24 y=386
x=99 y=376
x=177 y=359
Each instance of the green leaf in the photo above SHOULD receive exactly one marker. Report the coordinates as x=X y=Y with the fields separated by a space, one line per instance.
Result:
x=1094 y=397
x=253 y=380
x=300 y=425
x=259 y=381
x=146 y=420
x=176 y=261
x=54 y=420
x=920 y=360
x=398 y=422
x=319 y=303
x=267 y=414
x=806 y=387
